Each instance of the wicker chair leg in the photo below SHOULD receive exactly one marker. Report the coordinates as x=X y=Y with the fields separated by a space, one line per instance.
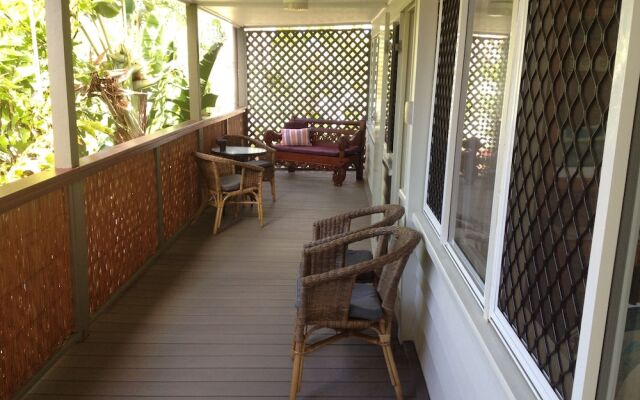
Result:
x=385 y=343
x=260 y=210
x=218 y=220
x=273 y=188
x=296 y=373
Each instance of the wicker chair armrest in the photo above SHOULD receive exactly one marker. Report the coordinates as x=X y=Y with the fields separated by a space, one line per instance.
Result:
x=326 y=229
x=271 y=137
x=343 y=273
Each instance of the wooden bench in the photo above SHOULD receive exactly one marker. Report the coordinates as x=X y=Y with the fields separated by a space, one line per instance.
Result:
x=336 y=145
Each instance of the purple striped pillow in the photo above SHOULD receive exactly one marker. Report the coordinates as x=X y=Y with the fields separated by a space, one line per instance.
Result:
x=295 y=137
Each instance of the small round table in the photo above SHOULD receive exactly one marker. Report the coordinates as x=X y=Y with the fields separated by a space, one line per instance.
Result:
x=240 y=153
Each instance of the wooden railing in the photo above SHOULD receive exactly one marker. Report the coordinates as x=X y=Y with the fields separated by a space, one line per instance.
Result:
x=73 y=240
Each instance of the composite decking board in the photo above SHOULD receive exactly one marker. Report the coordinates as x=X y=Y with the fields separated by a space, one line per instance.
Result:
x=213 y=317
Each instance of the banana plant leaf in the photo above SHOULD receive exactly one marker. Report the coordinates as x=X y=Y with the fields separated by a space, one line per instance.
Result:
x=209 y=99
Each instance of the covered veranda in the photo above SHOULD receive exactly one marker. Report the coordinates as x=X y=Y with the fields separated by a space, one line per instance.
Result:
x=212 y=317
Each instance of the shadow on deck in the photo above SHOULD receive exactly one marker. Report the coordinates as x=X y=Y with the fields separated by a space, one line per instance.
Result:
x=213 y=317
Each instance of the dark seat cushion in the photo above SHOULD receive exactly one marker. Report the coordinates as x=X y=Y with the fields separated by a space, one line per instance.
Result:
x=358 y=256
x=261 y=163
x=230 y=183
x=365 y=303
x=317 y=150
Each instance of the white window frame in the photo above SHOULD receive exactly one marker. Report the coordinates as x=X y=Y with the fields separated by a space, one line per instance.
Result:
x=608 y=212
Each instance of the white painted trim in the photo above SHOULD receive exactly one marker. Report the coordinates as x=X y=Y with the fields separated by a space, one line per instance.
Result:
x=527 y=365
x=610 y=199
x=454 y=119
x=506 y=144
x=405 y=62
x=427 y=211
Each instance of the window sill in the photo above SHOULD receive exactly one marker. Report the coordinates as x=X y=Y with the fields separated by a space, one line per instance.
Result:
x=508 y=371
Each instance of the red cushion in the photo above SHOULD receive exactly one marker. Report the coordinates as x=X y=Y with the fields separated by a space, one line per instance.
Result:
x=330 y=151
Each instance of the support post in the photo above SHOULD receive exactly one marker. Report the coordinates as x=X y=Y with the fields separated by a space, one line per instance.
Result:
x=193 y=54
x=60 y=55
x=241 y=63
x=65 y=147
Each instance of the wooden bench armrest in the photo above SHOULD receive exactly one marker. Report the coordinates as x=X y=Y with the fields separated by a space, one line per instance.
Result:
x=271 y=137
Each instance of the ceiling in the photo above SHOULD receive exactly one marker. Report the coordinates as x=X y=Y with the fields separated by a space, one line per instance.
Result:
x=271 y=13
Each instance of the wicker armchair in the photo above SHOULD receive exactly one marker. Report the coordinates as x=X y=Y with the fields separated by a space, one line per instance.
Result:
x=325 y=229
x=266 y=161
x=329 y=297
x=221 y=183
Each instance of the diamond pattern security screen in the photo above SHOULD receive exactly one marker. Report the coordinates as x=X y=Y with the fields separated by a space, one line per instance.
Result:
x=557 y=156
x=442 y=106
x=314 y=73
x=488 y=67
x=392 y=80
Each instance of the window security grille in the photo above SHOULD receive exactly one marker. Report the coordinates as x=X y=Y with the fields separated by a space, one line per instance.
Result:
x=557 y=156
x=442 y=107
x=392 y=81
x=315 y=73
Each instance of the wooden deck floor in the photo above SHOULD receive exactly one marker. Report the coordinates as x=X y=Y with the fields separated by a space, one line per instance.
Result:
x=213 y=317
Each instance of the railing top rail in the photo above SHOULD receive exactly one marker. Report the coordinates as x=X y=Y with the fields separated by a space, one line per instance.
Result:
x=28 y=188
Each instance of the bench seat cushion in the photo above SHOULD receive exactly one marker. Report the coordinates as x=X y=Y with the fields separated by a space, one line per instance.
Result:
x=317 y=150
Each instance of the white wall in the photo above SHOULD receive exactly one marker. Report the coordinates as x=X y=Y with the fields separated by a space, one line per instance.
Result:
x=461 y=354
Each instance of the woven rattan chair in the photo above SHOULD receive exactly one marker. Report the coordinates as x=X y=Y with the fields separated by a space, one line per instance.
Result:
x=221 y=184
x=329 y=297
x=266 y=161
x=341 y=224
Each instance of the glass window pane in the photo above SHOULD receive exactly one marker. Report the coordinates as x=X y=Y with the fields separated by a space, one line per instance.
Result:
x=130 y=68
x=217 y=64
x=26 y=134
x=480 y=130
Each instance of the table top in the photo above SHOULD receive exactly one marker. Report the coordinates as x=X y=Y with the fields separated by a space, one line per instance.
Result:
x=239 y=151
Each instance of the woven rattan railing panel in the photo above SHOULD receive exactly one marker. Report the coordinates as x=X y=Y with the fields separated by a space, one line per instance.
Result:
x=237 y=125
x=314 y=73
x=483 y=110
x=179 y=183
x=211 y=133
x=121 y=217
x=442 y=106
x=36 y=305
x=563 y=106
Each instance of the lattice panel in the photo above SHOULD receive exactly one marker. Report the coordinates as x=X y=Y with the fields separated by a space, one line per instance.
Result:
x=179 y=174
x=373 y=78
x=485 y=88
x=442 y=106
x=313 y=73
x=563 y=107
x=36 y=304
x=122 y=223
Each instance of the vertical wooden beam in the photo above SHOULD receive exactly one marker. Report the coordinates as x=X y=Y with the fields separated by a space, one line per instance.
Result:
x=241 y=63
x=60 y=54
x=193 y=54
x=65 y=146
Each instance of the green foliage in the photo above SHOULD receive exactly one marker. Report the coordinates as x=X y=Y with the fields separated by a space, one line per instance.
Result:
x=128 y=67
